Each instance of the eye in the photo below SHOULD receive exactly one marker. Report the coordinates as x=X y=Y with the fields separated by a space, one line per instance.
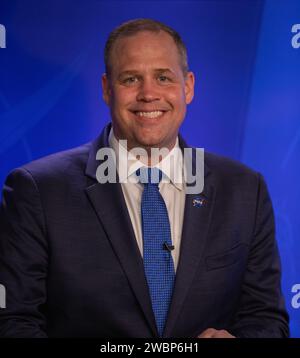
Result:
x=163 y=78
x=130 y=80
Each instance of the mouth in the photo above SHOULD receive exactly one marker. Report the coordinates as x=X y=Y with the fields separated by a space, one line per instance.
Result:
x=149 y=114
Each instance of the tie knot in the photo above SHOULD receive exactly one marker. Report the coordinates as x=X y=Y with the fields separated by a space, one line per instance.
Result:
x=149 y=175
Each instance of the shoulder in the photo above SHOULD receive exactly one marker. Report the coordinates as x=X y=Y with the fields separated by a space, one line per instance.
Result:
x=57 y=167
x=227 y=166
x=231 y=173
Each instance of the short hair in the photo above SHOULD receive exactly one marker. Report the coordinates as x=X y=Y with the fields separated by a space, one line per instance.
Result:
x=135 y=26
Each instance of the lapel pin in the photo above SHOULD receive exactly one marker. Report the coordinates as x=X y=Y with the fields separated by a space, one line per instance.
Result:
x=199 y=202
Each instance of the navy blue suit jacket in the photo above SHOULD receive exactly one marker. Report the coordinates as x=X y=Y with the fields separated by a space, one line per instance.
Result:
x=71 y=266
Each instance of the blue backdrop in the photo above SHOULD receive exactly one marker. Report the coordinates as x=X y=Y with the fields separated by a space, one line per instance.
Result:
x=247 y=65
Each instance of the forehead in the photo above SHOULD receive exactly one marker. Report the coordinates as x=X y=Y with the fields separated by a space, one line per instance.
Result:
x=145 y=49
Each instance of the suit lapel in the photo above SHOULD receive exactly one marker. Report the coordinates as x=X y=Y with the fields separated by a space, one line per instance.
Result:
x=109 y=204
x=194 y=233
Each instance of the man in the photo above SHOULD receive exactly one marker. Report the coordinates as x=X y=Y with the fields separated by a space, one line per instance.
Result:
x=79 y=258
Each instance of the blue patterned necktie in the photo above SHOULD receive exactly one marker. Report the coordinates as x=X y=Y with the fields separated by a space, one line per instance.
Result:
x=158 y=261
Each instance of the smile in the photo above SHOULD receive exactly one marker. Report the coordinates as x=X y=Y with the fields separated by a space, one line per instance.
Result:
x=153 y=114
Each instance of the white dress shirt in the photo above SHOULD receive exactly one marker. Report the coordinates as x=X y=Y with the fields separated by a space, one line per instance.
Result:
x=172 y=189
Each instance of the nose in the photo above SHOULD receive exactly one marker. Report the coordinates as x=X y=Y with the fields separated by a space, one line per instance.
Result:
x=148 y=91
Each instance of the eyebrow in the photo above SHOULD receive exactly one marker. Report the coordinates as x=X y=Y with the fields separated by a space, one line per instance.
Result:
x=134 y=72
x=164 y=70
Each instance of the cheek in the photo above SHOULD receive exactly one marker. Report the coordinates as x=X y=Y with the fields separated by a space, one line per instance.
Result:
x=178 y=102
x=121 y=99
x=176 y=96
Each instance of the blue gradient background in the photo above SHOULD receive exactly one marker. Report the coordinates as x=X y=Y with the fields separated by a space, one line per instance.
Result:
x=247 y=103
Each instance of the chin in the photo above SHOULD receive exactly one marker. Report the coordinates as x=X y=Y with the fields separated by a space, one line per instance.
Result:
x=150 y=138
x=150 y=142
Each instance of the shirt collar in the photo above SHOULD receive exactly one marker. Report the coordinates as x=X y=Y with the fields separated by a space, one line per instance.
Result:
x=171 y=165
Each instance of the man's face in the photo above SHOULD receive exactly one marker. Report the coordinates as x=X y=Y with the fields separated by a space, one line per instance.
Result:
x=147 y=91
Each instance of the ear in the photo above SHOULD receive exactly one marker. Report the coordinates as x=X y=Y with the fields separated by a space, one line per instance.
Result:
x=189 y=87
x=106 y=91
